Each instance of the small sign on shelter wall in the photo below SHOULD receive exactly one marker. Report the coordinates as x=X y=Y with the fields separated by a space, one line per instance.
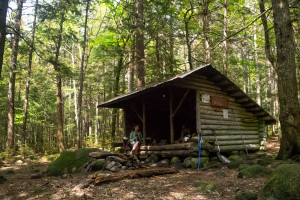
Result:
x=219 y=102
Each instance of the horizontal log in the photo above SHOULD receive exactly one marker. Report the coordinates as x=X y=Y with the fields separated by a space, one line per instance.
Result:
x=231 y=132
x=222 y=122
x=232 y=142
x=227 y=127
x=219 y=113
x=229 y=137
x=201 y=84
x=238 y=147
x=167 y=153
x=230 y=110
x=230 y=118
x=168 y=147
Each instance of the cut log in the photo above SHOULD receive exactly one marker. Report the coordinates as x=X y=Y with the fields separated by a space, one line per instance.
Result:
x=230 y=137
x=168 y=147
x=228 y=127
x=104 y=178
x=219 y=122
x=167 y=153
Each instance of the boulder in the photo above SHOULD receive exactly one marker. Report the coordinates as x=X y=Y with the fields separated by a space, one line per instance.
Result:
x=116 y=159
x=70 y=162
x=19 y=162
x=109 y=164
x=204 y=161
x=175 y=160
x=152 y=159
x=124 y=167
x=283 y=183
x=128 y=164
x=187 y=162
x=254 y=171
x=163 y=163
x=234 y=164
x=100 y=154
x=98 y=164
x=115 y=169
x=118 y=164
x=36 y=176
x=179 y=166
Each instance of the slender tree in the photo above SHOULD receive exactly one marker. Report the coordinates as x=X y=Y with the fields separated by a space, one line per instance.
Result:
x=287 y=82
x=12 y=77
x=140 y=47
x=29 y=74
x=81 y=79
x=3 y=11
x=224 y=37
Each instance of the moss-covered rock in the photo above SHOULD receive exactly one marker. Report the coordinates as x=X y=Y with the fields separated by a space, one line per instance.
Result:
x=234 y=164
x=284 y=183
x=70 y=162
x=204 y=161
x=235 y=157
x=98 y=164
x=254 y=171
x=175 y=160
x=187 y=162
x=152 y=159
x=246 y=196
x=244 y=166
x=264 y=160
x=205 y=186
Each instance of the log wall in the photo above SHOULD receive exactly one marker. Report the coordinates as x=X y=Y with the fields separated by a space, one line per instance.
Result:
x=241 y=130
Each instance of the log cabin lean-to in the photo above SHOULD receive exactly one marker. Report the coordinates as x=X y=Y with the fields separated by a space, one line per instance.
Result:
x=202 y=99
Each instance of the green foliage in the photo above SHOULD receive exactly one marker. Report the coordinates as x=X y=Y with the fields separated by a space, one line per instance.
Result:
x=206 y=186
x=70 y=162
x=284 y=183
x=253 y=171
x=246 y=196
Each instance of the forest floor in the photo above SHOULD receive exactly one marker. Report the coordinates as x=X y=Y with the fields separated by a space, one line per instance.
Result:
x=182 y=185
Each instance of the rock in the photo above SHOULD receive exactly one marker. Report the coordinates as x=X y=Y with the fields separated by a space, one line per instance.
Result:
x=116 y=159
x=179 y=166
x=283 y=183
x=203 y=162
x=175 y=160
x=187 y=162
x=244 y=166
x=131 y=168
x=128 y=164
x=253 y=171
x=264 y=161
x=98 y=164
x=109 y=165
x=70 y=162
x=235 y=157
x=234 y=164
x=2 y=179
x=118 y=164
x=246 y=196
x=100 y=154
x=152 y=159
x=153 y=165
x=19 y=162
x=115 y=169
x=124 y=167
x=163 y=163
x=36 y=176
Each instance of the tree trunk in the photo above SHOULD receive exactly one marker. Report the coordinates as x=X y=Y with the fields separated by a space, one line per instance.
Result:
x=59 y=96
x=287 y=82
x=258 y=88
x=12 y=78
x=224 y=38
x=206 y=30
x=81 y=79
x=3 y=11
x=116 y=92
x=140 y=56
x=29 y=74
x=187 y=40
x=97 y=120
x=157 y=55
x=268 y=49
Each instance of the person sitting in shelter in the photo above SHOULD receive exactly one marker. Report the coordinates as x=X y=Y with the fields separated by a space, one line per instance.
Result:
x=185 y=133
x=136 y=139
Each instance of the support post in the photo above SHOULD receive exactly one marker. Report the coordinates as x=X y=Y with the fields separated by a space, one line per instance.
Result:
x=124 y=122
x=171 y=118
x=144 y=121
x=198 y=111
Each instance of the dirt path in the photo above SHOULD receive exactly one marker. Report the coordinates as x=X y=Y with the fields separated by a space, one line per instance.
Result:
x=184 y=185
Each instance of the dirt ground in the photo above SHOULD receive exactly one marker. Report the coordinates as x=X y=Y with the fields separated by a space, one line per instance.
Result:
x=19 y=185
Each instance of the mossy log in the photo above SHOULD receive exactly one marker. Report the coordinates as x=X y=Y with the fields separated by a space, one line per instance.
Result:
x=168 y=147
x=104 y=178
x=238 y=147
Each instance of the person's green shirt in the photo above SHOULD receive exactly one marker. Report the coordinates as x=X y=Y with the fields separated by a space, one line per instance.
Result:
x=136 y=136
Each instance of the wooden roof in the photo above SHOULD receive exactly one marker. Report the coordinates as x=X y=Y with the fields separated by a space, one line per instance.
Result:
x=213 y=75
